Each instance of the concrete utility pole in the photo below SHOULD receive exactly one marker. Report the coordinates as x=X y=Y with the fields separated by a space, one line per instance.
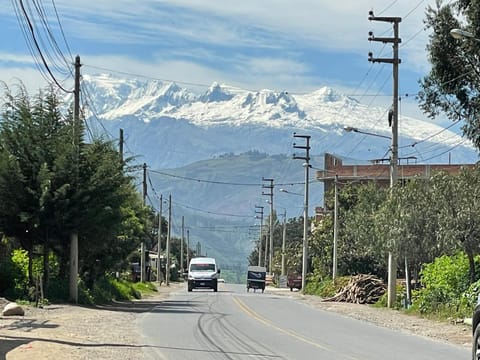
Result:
x=159 y=242
x=284 y=237
x=260 y=243
x=181 y=244
x=73 y=276
x=188 y=247
x=120 y=147
x=199 y=249
x=142 y=245
x=306 y=165
x=270 y=254
x=167 y=265
x=335 y=230
x=393 y=122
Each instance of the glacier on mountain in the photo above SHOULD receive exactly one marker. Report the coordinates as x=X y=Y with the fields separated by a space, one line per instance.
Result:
x=225 y=119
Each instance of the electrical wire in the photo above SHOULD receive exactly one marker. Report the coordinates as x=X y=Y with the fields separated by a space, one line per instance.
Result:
x=29 y=27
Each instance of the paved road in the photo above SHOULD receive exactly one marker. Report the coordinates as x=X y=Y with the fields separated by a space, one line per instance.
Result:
x=234 y=324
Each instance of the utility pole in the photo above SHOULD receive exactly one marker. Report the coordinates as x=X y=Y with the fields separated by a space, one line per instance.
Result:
x=188 y=248
x=167 y=264
x=159 y=242
x=393 y=122
x=181 y=244
x=335 y=230
x=199 y=249
x=73 y=278
x=261 y=233
x=306 y=165
x=142 y=245
x=120 y=147
x=284 y=237
x=270 y=254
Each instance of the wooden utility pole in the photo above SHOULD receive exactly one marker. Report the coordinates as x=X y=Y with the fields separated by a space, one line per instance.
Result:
x=73 y=278
x=393 y=122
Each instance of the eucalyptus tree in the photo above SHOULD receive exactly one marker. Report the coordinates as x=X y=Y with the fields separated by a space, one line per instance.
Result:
x=452 y=86
x=415 y=216
x=360 y=247
x=458 y=208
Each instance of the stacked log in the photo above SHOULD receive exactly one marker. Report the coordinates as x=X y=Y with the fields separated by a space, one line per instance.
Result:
x=361 y=289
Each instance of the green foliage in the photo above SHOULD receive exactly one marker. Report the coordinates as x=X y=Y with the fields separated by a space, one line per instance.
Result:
x=106 y=290
x=400 y=299
x=20 y=266
x=451 y=88
x=325 y=287
x=446 y=287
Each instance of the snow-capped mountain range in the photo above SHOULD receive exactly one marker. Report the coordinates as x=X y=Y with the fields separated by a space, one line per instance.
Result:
x=199 y=136
x=177 y=126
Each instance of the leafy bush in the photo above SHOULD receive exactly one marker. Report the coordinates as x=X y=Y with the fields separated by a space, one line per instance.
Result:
x=400 y=298
x=446 y=288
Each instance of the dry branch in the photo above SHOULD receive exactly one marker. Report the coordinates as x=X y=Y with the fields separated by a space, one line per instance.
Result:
x=361 y=289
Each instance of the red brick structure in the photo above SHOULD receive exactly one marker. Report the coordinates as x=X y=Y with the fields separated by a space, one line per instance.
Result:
x=379 y=173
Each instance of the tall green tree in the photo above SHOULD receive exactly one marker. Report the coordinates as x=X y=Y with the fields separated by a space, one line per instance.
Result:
x=458 y=213
x=33 y=136
x=452 y=87
x=49 y=187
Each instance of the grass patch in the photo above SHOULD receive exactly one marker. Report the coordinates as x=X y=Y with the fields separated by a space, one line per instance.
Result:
x=106 y=290
x=326 y=287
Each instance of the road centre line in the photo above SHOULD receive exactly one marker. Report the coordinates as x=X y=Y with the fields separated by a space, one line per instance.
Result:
x=291 y=333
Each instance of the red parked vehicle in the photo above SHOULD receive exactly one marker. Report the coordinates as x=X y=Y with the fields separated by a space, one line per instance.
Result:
x=294 y=281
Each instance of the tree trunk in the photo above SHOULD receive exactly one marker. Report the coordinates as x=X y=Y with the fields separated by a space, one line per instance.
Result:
x=30 y=265
x=46 y=265
x=471 y=262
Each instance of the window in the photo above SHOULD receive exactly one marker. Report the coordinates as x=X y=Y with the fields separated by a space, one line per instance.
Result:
x=202 y=267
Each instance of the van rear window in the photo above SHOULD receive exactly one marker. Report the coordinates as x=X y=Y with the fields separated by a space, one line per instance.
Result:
x=202 y=267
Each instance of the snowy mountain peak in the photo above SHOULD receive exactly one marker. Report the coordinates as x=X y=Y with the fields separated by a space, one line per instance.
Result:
x=216 y=93
x=227 y=112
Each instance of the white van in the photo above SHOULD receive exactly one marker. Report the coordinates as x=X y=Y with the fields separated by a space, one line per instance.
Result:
x=203 y=273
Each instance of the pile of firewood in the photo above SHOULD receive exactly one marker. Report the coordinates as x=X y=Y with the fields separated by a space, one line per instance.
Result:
x=361 y=289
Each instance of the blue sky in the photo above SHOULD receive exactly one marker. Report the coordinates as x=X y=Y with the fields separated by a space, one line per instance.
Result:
x=296 y=45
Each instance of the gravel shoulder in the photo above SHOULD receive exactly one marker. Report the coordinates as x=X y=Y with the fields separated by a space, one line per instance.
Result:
x=78 y=332
x=108 y=332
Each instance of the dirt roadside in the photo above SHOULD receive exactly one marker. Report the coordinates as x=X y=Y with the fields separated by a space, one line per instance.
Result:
x=78 y=333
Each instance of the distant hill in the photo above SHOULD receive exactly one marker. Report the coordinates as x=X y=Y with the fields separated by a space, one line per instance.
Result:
x=218 y=198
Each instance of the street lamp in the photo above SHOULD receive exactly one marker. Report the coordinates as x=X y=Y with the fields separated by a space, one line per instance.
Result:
x=290 y=192
x=353 y=129
x=462 y=34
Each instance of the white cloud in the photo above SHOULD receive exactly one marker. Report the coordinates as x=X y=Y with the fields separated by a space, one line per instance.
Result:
x=228 y=41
